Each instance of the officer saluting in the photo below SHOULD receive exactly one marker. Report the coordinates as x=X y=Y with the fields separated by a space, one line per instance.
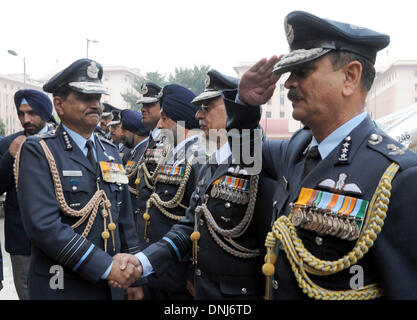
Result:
x=346 y=197
x=79 y=214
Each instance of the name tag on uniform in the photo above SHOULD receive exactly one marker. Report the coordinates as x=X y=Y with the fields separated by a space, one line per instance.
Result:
x=113 y=172
x=72 y=173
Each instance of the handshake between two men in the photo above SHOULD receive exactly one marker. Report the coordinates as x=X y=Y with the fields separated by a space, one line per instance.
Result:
x=126 y=269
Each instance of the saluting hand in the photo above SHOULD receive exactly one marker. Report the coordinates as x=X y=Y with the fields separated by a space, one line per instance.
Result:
x=257 y=85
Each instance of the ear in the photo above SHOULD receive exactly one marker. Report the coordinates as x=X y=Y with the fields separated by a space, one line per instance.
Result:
x=58 y=104
x=353 y=73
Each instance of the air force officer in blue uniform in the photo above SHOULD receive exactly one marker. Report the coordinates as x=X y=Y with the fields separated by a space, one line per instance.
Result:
x=74 y=199
x=345 y=205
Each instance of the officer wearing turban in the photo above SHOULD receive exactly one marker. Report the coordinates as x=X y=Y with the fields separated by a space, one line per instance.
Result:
x=78 y=216
x=224 y=226
x=175 y=181
x=34 y=110
x=344 y=207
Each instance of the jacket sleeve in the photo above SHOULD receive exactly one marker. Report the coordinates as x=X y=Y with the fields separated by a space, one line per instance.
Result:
x=394 y=253
x=41 y=217
x=6 y=171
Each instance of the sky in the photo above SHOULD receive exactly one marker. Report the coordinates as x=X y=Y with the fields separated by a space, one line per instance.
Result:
x=160 y=35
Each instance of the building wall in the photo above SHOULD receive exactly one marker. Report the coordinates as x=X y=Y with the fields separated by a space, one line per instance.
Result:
x=119 y=80
x=394 y=88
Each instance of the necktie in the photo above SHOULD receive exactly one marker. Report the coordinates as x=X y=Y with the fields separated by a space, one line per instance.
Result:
x=312 y=158
x=90 y=154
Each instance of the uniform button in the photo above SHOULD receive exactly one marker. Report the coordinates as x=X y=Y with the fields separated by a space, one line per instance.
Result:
x=201 y=222
x=275 y=284
x=319 y=241
x=166 y=192
x=198 y=272
x=120 y=188
x=274 y=204
x=196 y=197
x=374 y=137
x=348 y=139
x=227 y=205
x=244 y=291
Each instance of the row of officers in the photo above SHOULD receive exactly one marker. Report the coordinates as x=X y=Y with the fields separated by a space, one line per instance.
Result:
x=164 y=211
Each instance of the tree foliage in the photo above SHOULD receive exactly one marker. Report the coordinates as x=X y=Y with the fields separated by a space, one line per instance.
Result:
x=191 y=78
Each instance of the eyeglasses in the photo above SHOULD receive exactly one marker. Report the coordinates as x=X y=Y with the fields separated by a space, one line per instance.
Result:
x=207 y=108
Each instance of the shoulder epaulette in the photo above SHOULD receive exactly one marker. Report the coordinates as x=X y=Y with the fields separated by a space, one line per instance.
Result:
x=46 y=135
x=391 y=149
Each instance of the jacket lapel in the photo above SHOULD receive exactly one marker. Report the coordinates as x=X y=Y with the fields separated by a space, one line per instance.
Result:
x=76 y=153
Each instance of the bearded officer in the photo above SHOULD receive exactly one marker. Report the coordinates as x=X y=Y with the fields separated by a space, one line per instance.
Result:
x=34 y=110
x=79 y=215
x=175 y=182
x=336 y=230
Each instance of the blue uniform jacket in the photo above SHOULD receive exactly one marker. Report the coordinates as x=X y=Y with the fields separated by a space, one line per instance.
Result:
x=391 y=262
x=54 y=242
x=16 y=239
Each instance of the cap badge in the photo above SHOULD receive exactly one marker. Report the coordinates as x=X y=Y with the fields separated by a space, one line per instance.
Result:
x=289 y=32
x=144 y=89
x=207 y=82
x=92 y=70
x=160 y=94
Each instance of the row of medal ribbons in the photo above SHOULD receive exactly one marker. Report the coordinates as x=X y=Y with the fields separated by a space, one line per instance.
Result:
x=233 y=189
x=153 y=155
x=170 y=174
x=330 y=214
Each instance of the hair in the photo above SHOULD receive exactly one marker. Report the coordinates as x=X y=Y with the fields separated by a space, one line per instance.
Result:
x=340 y=59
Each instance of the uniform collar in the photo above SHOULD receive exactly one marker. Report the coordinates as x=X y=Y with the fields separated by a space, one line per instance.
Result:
x=182 y=144
x=336 y=137
x=155 y=133
x=45 y=129
x=137 y=146
x=79 y=140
